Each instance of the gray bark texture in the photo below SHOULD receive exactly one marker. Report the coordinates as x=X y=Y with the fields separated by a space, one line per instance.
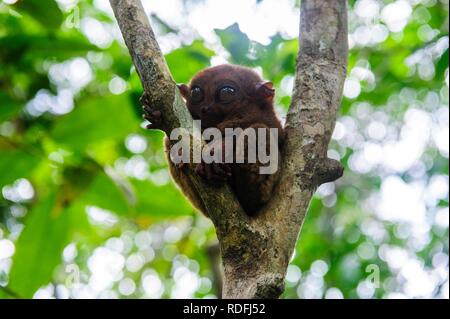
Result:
x=256 y=251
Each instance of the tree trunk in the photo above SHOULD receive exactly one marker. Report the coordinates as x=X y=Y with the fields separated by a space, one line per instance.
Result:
x=256 y=251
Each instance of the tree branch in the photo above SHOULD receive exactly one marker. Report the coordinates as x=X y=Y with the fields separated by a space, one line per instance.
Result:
x=165 y=97
x=256 y=251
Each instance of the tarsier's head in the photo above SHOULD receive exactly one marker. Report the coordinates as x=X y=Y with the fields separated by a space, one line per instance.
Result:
x=226 y=90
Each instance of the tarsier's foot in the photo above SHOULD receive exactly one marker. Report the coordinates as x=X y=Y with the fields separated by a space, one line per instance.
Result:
x=154 y=117
x=214 y=172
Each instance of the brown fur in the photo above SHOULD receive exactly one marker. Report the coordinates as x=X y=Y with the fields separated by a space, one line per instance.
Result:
x=251 y=106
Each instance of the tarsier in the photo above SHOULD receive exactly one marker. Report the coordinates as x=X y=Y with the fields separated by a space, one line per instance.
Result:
x=228 y=96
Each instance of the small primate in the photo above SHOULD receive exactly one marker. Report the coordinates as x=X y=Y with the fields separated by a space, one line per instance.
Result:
x=228 y=96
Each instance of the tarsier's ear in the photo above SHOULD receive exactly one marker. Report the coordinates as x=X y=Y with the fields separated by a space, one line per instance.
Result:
x=184 y=90
x=265 y=91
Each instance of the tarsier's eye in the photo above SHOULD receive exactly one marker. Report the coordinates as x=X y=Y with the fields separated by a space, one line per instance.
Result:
x=226 y=94
x=196 y=94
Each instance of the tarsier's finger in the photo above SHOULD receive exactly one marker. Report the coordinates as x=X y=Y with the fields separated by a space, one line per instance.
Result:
x=148 y=109
x=208 y=172
x=200 y=170
x=152 y=126
x=156 y=114
x=222 y=155
x=215 y=175
x=152 y=116
x=227 y=168
x=217 y=169
x=155 y=118
x=221 y=171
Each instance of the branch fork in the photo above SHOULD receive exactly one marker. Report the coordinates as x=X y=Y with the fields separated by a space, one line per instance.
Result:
x=256 y=251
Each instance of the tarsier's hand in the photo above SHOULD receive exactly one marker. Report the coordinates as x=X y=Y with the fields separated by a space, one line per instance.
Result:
x=214 y=172
x=154 y=117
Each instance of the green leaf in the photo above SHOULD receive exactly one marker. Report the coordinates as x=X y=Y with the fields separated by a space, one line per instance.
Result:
x=277 y=58
x=136 y=198
x=46 y=12
x=108 y=194
x=160 y=201
x=187 y=61
x=31 y=47
x=9 y=107
x=442 y=65
x=39 y=247
x=16 y=164
x=236 y=42
x=96 y=120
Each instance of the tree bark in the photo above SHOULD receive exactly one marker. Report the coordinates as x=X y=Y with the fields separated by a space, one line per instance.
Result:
x=256 y=251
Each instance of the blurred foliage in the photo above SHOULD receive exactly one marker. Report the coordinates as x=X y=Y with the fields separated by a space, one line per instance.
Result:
x=87 y=207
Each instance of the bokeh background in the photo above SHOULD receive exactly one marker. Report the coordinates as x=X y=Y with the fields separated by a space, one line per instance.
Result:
x=87 y=208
